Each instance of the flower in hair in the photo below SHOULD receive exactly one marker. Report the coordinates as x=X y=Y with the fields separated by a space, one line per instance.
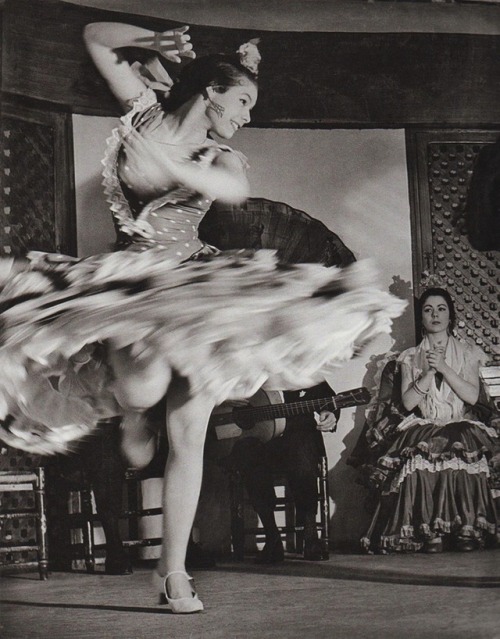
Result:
x=431 y=280
x=249 y=55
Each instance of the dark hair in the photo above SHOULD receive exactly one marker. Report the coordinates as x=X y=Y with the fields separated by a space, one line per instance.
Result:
x=441 y=292
x=212 y=70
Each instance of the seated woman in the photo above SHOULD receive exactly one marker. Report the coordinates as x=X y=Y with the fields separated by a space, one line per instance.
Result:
x=436 y=484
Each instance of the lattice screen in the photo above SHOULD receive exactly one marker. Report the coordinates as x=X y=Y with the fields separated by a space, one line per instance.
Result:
x=444 y=166
x=27 y=222
x=28 y=211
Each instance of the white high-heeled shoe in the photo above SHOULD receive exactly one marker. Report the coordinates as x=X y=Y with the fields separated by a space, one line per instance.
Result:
x=183 y=605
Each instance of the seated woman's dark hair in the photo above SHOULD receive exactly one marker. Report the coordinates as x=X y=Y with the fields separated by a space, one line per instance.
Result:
x=218 y=69
x=441 y=292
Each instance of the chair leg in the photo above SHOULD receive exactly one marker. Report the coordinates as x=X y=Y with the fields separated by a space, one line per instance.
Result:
x=87 y=529
x=294 y=521
x=237 y=516
x=294 y=539
x=299 y=527
x=324 y=508
x=134 y=505
x=41 y=524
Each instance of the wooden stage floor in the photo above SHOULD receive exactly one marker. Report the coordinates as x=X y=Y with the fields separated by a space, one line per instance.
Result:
x=347 y=597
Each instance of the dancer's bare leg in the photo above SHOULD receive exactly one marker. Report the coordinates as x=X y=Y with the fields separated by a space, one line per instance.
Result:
x=139 y=440
x=141 y=380
x=141 y=377
x=187 y=419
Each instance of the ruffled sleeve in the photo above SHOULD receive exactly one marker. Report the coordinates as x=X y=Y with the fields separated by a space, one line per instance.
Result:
x=119 y=206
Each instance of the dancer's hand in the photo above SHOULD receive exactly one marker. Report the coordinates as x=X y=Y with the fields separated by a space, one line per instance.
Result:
x=147 y=160
x=240 y=418
x=172 y=44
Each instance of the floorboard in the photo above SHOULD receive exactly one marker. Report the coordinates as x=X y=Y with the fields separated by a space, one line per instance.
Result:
x=349 y=596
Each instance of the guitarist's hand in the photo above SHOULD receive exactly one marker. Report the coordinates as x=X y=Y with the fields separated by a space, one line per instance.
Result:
x=326 y=422
x=240 y=419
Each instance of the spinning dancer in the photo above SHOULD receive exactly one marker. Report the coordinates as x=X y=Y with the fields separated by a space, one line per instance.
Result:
x=147 y=322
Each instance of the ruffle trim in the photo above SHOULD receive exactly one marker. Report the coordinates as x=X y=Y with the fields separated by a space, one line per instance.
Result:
x=411 y=421
x=120 y=208
x=418 y=463
x=230 y=324
x=422 y=451
x=405 y=541
x=115 y=197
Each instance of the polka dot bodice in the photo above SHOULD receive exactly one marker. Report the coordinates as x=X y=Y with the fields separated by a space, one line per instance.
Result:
x=172 y=224
x=145 y=216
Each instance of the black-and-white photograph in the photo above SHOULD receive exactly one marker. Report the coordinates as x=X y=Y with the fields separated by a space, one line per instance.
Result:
x=249 y=319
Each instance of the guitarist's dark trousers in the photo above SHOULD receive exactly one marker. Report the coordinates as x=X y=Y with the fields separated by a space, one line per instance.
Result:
x=295 y=455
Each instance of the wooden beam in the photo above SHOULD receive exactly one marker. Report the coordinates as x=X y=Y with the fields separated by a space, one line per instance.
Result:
x=307 y=79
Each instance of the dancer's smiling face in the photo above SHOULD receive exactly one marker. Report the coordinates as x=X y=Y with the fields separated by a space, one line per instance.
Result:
x=228 y=108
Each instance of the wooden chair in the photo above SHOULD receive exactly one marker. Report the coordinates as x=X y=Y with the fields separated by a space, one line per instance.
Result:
x=31 y=508
x=104 y=488
x=86 y=520
x=292 y=531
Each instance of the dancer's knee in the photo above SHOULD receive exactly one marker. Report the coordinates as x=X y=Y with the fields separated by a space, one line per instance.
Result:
x=138 y=441
x=187 y=418
x=139 y=386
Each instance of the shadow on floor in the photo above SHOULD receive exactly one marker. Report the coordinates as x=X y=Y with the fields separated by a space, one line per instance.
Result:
x=446 y=570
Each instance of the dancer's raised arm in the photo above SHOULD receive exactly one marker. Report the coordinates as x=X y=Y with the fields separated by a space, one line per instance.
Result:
x=105 y=39
x=221 y=177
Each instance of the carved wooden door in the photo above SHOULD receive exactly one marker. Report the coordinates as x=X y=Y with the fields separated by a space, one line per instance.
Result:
x=37 y=212
x=37 y=201
x=440 y=165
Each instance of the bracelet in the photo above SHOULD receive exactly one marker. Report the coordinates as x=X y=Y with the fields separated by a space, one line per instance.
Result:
x=419 y=390
x=157 y=41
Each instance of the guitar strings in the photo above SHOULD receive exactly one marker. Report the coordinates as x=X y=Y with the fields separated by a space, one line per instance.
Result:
x=304 y=406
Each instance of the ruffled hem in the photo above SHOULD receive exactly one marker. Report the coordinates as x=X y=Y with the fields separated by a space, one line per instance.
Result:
x=409 y=540
x=466 y=445
x=230 y=324
x=418 y=463
x=411 y=421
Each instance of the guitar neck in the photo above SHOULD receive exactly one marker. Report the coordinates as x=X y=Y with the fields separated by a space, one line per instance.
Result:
x=289 y=409
x=275 y=411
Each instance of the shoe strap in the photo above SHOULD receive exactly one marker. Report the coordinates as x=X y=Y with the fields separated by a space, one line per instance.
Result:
x=178 y=572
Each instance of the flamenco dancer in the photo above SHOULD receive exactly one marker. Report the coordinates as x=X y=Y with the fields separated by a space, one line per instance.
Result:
x=120 y=331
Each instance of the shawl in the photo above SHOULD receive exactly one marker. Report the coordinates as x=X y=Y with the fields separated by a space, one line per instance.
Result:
x=442 y=405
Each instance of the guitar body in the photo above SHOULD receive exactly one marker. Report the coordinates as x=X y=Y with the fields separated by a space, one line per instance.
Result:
x=265 y=415
x=262 y=430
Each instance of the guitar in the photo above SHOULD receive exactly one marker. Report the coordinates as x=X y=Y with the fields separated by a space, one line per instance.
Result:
x=265 y=417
